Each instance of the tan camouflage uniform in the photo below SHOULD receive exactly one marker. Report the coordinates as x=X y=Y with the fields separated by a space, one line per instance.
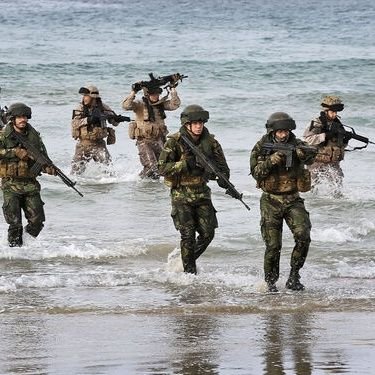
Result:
x=150 y=134
x=92 y=140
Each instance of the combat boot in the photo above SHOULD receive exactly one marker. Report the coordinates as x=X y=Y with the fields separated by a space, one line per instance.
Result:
x=15 y=242
x=15 y=237
x=272 y=287
x=293 y=282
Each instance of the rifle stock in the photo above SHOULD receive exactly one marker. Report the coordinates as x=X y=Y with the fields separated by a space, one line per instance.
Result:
x=210 y=167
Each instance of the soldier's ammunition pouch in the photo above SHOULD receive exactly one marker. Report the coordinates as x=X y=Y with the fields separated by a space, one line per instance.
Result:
x=15 y=169
x=93 y=135
x=111 y=139
x=329 y=154
x=131 y=129
x=145 y=129
x=304 y=181
x=176 y=181
x=278 y=184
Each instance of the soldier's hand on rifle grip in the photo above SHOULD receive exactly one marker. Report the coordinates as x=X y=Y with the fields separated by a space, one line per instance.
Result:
x=50 y=170
x=301 y=155
x=277 y=158
x=136 y=87
x=21 y=153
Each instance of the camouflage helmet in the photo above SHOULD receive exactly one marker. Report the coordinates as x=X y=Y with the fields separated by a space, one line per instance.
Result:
x=18 y=109
x=332 y=103
x=280 y=121
x=89 y=90
x=194 y=112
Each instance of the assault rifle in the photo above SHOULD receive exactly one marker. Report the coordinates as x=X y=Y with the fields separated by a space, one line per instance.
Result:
x=287 y=149
x=42 y=161
x=210 y=167
x=169 y=81
x=101 y=116
x=353 y=135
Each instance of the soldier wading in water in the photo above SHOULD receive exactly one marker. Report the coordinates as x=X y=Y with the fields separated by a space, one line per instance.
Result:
x=280 y=199
x=20 y=187
x=192 y=209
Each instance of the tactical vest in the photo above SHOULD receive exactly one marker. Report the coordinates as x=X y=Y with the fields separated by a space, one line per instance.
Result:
x=331 y=151
x=195 y=177
x=146 y=127
x=94 y=134
x=14 y=167
x=283 y=181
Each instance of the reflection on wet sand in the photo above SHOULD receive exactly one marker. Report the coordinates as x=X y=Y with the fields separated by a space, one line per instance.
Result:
x=22 y=348
x=288 y=344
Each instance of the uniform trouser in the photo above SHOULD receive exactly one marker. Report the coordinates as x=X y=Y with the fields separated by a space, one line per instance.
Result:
x=32 y=205
x=149 y=151
x=87 y=151
x=274 y=209
x=189 y=219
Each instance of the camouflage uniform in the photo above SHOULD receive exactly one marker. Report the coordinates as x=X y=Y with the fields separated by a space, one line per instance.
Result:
x=192 y=209
x=92 y=139
x=326 y=167
x=21 y=190
x=281 y=201
x=149 y=128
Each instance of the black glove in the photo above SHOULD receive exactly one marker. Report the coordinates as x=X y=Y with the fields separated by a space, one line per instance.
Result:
x=222 y=183
x=136 y=87
x=120 y=118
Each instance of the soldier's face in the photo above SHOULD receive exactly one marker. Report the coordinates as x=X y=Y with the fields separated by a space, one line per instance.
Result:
x=20 y=122
x=153 y=98
x=196 y=127
x=331 y=114
x=282 y=135
x=87 y=99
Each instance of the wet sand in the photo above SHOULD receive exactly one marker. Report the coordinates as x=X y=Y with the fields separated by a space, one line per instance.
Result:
x=302 y=342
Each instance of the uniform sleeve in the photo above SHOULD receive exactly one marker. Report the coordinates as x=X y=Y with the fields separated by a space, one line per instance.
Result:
x=174 y=102
x=314 y=134
x=5 y=153
x=109 y=112
x=219 y=159
x=260 y=166
x=130 y=104
x=170 y=163
x=309 y=156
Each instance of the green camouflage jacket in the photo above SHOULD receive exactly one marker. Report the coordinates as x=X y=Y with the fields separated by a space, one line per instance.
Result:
x=260 y=163
x=190 y=185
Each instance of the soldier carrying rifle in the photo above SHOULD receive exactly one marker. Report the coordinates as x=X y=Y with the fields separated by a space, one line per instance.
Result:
x=281 y=184
x=149 y=129
x=89 y=128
